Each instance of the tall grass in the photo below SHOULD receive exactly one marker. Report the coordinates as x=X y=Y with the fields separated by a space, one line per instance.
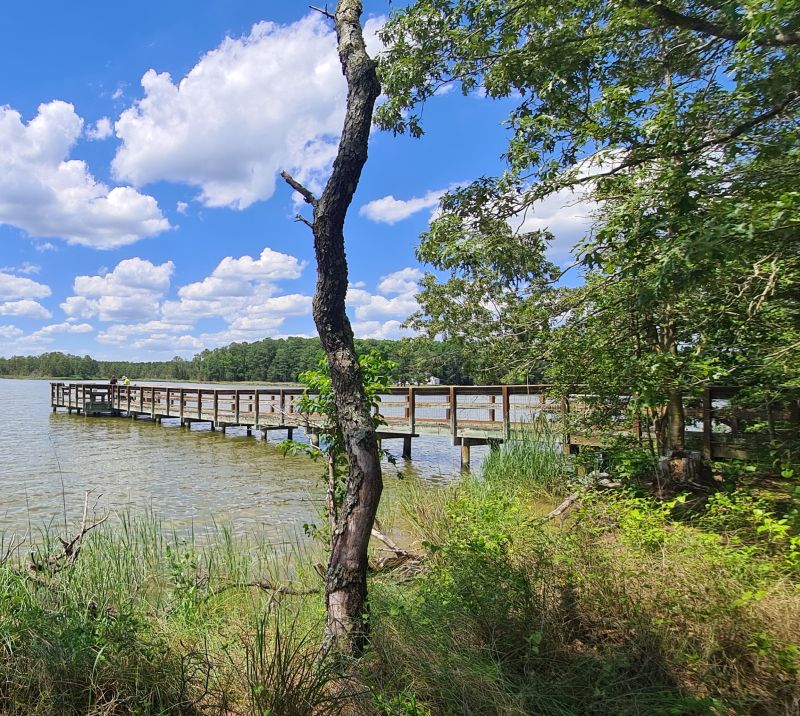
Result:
x=148 y=622
x=531 y=459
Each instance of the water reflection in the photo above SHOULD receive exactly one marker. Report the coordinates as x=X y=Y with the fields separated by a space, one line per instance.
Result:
x=48 y=460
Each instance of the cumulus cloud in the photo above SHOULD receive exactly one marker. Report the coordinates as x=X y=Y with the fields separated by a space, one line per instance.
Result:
x=8 y=331
x=238 y=286
x=270 y=100
x=53 y=328
x=389 y=210
x=390 y=330
x=20 y=287
x=566 y=214
x=132 y=291
x=380 y=315
x=46 y=194
x=181 y=207
x=25 y=308
x=102 y=129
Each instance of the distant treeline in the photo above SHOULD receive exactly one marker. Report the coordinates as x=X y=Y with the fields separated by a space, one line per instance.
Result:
x=278 y=360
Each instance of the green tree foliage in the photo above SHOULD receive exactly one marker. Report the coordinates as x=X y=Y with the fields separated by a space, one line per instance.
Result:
x=268 y=360
x=680 y=121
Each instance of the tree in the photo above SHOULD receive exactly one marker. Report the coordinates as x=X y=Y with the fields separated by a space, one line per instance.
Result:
x=346 y=576
x=680 y=121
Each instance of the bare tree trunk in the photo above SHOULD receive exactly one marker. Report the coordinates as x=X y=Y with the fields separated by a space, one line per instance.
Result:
x=346 y=578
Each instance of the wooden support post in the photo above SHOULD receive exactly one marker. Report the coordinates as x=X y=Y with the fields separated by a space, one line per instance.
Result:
x=236 y=406
x=289 y=433
x=492 y=400
x=407 y=447
x=183 y=400
x=128 y=390
x=216 y=408
x=567 y=446
x=168 y=401
x=412 y=413
x=249 y=429
x=258 y=408
x=506 y=408
x=283 y=409
x=707 y=424
x=153 y=403
x=465 y=450
x=199 y=404
x=454 y=414
x=141 y=399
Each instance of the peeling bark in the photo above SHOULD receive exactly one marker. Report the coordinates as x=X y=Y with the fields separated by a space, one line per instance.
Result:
x=346 y=577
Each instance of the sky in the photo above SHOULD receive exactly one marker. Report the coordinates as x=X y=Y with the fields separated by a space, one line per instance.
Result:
x=141 y=211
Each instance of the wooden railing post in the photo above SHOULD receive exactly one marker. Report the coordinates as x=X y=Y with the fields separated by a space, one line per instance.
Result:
x=454 y=414
x=282 y=407
x=168 y=401
x=237 y=403
x=216 y=407
x=257 y=397
x=412 y=410
x=153 y=402
x=707 y=419
x=199 y=403
x=506 y=401
x=565 y=417
x=182 y=399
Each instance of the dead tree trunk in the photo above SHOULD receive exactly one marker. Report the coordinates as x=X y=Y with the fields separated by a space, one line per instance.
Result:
x=346 y=577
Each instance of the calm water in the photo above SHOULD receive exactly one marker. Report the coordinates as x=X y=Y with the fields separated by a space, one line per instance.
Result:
x=48 y=460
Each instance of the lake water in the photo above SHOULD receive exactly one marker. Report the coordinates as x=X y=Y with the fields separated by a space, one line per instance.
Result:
x=48 y=460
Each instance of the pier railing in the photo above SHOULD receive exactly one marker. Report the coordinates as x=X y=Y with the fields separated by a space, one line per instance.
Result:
x=468 y=414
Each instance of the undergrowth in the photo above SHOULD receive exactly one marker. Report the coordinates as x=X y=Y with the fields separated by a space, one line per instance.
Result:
x=628 y=606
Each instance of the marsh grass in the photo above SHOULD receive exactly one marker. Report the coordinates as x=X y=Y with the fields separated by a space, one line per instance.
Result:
x=149 y=622
x=631 y=606
x=531 y=459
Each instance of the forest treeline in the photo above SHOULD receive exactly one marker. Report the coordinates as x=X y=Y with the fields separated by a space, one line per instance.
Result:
x=271 y=359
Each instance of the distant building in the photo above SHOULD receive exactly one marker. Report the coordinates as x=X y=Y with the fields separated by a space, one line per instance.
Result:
x=433 y=380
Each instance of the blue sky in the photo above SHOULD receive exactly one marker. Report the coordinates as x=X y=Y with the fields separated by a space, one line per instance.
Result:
x=141 y=215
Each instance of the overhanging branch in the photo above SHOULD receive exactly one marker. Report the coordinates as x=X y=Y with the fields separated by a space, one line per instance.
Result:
x=299 y=188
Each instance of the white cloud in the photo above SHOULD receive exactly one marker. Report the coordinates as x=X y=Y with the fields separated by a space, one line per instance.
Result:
x=237 y=286
x=270 y=100
x=8 y=331
x=102 y=129
x=132 y=291
x=45 y=194
x=389 y=210
x=19 y=287
x=375 y=329
x=566 y=214
x=26 y=268
x=24 y=309
x=181 y=207
x=53 y=328
x=395 y=297
x=404 y=281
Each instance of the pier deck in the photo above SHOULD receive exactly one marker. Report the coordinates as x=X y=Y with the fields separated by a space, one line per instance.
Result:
x=468 y=415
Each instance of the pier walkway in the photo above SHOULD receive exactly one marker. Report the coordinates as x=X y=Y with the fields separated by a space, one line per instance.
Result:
x=468 y=415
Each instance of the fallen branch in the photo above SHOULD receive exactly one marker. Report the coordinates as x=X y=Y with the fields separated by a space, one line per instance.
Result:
x=565 y=506
x=71 y=549
x=267 y=586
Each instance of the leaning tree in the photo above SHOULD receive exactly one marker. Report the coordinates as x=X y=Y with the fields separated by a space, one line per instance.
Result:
x=346 y=576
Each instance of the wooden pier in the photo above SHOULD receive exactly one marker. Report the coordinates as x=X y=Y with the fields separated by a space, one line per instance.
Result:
x=468 y=415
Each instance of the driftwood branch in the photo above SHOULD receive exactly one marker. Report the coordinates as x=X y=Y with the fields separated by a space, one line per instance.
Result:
x=564 y=507
x=266 y=585
x=299 y=188
x=71 y=549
